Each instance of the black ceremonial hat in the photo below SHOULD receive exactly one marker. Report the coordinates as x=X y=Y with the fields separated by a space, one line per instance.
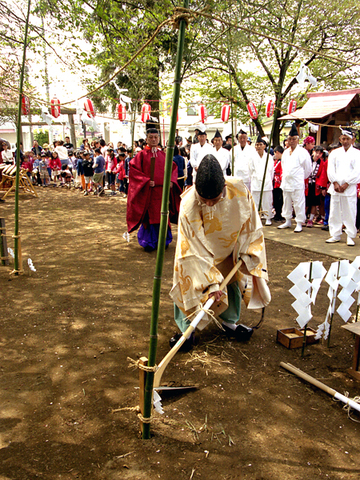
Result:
x=293 y=132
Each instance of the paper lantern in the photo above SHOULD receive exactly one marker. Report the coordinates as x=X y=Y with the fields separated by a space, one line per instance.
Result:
x=25 y=105
x=292 y=107
x=225 y=113
x=145 y=112
x=202 y=113
x=121 y=112
x=252 y=110
x=270 y=107
x=55 y=107
x=89 y=108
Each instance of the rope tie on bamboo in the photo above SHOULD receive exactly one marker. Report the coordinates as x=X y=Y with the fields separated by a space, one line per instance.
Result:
x=181 y=13
x=209 y=312
x=347 y=407
x=16 y=236
x=136 y=410
x=136 y=364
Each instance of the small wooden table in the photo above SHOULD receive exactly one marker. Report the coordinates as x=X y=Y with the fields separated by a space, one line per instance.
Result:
x=355 y=329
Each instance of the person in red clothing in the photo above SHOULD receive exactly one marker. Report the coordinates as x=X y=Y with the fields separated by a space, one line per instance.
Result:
x=146 y=176
x=55 y=165
x=322 y=183
x=110 y=167
x=317 y=185
x=120 y=173
x=277 y=192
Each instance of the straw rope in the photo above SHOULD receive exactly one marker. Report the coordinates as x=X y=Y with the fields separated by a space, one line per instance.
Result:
x=209 y=312
x=348 y=408
x=137 y=410
x=136 y=364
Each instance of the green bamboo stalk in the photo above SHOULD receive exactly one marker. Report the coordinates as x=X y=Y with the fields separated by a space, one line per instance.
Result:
x=266 y=163
x=305 y=328
x=18 y=139
x=148 y=394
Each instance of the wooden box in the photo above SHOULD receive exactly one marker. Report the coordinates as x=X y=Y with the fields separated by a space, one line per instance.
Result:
x=293 y=337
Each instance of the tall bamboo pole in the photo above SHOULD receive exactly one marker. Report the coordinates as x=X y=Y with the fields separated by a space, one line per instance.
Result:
x=163 y=228
x=18 y=139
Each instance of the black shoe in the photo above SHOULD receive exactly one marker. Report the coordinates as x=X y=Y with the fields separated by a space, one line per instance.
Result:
x=149 y=249
x=186 y=346
x=242 y=333
x=325 y=227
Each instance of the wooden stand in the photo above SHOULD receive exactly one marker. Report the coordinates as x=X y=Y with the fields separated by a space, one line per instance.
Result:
x=355 y=329
x=9 y=176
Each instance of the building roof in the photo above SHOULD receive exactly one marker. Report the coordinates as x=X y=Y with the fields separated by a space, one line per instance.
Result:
x=322 y=104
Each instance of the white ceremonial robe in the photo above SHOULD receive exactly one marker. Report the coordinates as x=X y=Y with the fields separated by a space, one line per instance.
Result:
x=343 y=167
x=209 y=237
x=242 y=157
x=197 y=153
x=223 y=156
x=257 y=168
x=296 y=167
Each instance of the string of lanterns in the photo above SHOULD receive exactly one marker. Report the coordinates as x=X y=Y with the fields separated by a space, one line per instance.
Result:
x=55 y=108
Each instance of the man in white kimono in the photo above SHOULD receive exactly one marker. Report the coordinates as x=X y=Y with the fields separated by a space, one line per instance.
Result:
x=243 y=153
x=343 y=173
x=199 y=150
x=296 y=167
x=257 y=169
x=218 y=225
x=221 y=154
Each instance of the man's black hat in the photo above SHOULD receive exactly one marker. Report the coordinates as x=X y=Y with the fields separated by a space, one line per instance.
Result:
x=210 y=179
x=293 y=132
x=217 y=134
x=260 y=140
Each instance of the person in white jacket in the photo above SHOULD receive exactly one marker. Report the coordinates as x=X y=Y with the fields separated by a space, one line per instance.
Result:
x=296 y=167
x=257 y=168
x=221 y=154
x=199 y=150
x=344 y=174
x=243 y=153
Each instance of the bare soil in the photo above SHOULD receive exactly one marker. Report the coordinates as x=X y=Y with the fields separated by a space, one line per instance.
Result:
x=67 y=330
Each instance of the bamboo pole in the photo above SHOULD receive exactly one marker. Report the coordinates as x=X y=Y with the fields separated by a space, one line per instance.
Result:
x=148 y=394
x=18 y=139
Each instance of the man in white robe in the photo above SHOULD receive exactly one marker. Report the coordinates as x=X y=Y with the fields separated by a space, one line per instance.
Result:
x=218 y=225
x=199 y=150
x=221 y=154
x=296 y=167
x=257 y=168
x=243 y=153
x=344 y=174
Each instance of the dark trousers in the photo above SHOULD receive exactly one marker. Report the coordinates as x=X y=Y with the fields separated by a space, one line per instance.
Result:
x=277 y=202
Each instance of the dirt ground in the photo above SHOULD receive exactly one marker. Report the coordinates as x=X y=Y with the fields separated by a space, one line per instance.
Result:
x=66 y=332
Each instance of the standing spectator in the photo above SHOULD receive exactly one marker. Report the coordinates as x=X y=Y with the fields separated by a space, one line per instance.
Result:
x=277 y=192
x=221 y=154
x=55 y=165
x=99 y=170
x=313 y=193
x=80 y=179
x=322 y=183
x=67 y=144
x=296 y=167
x=257 y=168
x=36 y=149
x=63 y=153
x=120 y=172
x=180 y=162
x=309 y=144
x=343 y=173
x=110 y=167
x=43 y=168
x=21 y=153
x=127 y=161
x=87 y=166
x=7 y=155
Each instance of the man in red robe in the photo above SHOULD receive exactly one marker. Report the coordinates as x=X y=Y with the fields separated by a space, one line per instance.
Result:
x=146 y=177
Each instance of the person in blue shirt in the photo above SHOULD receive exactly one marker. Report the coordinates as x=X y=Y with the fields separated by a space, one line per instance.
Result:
x=180 y=162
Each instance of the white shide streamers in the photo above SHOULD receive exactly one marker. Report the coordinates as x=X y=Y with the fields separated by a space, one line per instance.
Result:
x=341 y=275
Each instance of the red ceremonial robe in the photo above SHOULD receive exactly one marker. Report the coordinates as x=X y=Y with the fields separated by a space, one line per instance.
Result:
x=143 y=199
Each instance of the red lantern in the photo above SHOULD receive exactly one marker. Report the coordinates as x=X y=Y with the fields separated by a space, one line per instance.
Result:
x=121 y=112
x=292 y=107
x=177 y=115
x=202 y=113
x=270 y=107
x=55 y=107
x=25 y=105
x=252 y=110
x=145 y=112
x=225 y=113
x=89 y=108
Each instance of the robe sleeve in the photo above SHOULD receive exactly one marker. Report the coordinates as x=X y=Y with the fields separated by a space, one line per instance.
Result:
x=138 y=194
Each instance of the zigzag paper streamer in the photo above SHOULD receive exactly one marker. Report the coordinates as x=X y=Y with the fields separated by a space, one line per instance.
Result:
x=307 y=277
x=348 y=286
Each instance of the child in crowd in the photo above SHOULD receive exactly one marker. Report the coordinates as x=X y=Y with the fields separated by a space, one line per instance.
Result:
x=55 y=165
x=66 y=176
x=120 y=173
x=44 y=172
x=277 y=192
x=87 y=165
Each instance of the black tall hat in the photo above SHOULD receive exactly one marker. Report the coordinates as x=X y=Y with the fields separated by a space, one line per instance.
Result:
x=293 y=132
x=217 y=134
x=210 y=179
x=260 y=140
